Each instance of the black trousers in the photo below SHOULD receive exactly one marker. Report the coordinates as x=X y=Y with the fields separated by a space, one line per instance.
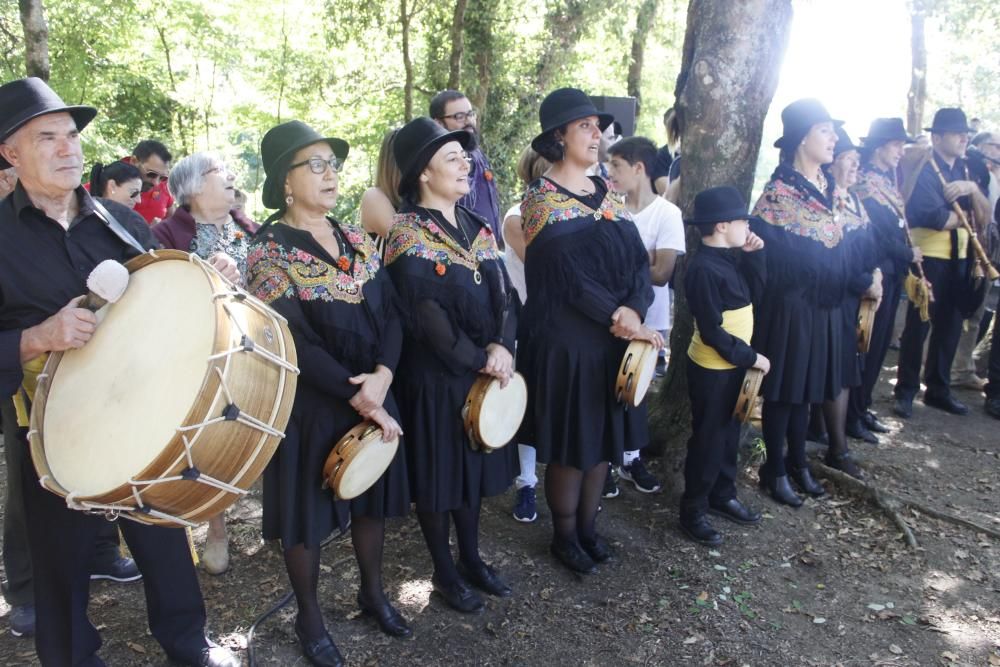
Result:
x=711 y=463
x=63 y=542
x=946 y=277
x=18 y=589
x=993 y=374
x=885 y=320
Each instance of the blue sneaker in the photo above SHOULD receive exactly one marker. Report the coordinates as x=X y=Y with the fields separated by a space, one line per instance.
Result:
x=524 y=509
x=22 y=620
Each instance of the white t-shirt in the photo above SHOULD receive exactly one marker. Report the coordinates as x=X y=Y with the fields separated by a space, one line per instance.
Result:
x=661 y=227
x=515 y=267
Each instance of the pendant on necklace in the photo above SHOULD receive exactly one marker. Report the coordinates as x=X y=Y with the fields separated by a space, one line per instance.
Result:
x=477 y=277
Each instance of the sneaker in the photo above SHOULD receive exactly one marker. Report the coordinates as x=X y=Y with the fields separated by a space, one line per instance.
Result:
x=610 y=486
x=524 y=509
x=643 y=480
x=120 y=570
x=22 y=620
x=661 y=367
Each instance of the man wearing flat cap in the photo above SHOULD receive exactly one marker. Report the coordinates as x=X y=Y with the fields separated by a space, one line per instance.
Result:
x=51 y=237
x=940 y=179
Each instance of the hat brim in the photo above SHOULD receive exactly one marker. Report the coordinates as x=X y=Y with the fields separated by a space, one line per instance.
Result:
x=875 y=142
x=836 y=123
x=82 y=115
x=603 y=121
x=426 y=152
x=274 y=182
x=953 y=130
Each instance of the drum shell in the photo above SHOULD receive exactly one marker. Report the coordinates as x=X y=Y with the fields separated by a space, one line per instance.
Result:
x=749 y=390
x=343 y=454
x=638 y=354
x=866 y=322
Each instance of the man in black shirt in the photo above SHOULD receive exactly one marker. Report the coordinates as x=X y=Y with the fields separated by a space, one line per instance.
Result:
x=50 y=240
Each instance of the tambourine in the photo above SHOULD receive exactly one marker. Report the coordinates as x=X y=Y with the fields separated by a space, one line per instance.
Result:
x=636 y=372
x=866 y=320
x=358 y=460
x=748 y=394
x=493 y=414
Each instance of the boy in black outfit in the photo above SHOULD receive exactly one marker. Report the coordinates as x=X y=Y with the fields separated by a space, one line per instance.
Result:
x=720 y=286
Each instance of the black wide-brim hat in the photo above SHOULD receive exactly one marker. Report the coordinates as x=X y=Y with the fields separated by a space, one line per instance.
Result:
x=798 y=118
x=844 y=143
x=719 y=204
x=415 y=145
x=277 y=149
x=23 y=100
x=565 y=105
x=884 y=130
x=949 y=119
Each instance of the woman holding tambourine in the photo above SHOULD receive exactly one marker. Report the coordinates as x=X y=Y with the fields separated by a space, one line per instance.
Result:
x=459 y=323
x=587 y=275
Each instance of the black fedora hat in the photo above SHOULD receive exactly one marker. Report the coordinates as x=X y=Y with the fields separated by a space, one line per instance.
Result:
x=844 y=143
x=415 y=145
x=26 y=99
x=949 y=119
x=277 y=149
x=565 y=105
x=719 y=204
x=798 y=118
x=884 y=130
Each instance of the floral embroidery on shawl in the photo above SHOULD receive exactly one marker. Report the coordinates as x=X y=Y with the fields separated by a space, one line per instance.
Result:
x=797 y=212
x=421 y=237
x=850 y=214
x=873 y=184
x=545 y=204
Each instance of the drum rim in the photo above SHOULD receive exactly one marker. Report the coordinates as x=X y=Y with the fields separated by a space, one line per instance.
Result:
x=474 y=404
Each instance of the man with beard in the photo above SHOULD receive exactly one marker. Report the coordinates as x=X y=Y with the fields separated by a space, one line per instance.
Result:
x=153 y=160
x=453 y=111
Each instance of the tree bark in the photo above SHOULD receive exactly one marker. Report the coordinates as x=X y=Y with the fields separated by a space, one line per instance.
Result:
x=917 y=97
x=457 y=45
x=729 y=71
x=479 y=21
x=405 y=15
x=564 y=25
x=643 y=25
x=36 y=38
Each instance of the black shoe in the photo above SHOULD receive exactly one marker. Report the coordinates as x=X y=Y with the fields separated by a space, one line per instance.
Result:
x=992 y=407
x=872 y=423
x=845 y=464
x=859 y=431
x=700 y=530
x=389 y=620
x=321 y=652
x=573 y=556
x=735 y=511
x=22 y=619
x=485 y=578
x=806 y=482
x=610 y=485
x=459 y=596
x=121 y=570
x=903 y=407
x=781 y=491
x=637 y=473
x=947 y=403
x=597 y=548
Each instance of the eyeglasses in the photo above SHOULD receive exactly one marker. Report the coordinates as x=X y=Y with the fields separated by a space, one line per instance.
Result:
x=318 y=165
x=461 y=116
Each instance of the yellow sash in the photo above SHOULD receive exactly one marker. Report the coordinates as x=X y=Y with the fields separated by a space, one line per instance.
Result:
x=32 y=370
x=737 y=322
x=938 y=244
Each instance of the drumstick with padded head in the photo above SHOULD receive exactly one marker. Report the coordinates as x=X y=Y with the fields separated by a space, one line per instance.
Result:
x=107 y=283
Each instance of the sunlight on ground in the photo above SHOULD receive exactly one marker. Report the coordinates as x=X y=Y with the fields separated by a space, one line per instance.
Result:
x=415 y=594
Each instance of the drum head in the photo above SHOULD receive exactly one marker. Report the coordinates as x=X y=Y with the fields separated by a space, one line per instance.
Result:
x=502 y=411
x=359 y=472
x=114 y=404
x=644 y=372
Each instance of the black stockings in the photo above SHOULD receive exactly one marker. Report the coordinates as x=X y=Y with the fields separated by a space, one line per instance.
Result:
x=436 y=529
x=835 y=415
x=302 y=564
x=368 y=536
x=573 y=497
x=781 y=422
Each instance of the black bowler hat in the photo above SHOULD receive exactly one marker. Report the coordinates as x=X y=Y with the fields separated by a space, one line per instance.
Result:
x=277 y=149
x=564 y=106
x=798 y=118
x=844 y=143
x=949 y=119
x=884 y=130
x=26 y=99
x=719 y=204
x=417 y=142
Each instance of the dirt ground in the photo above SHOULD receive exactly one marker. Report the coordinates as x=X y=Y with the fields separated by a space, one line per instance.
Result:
x=832 y=583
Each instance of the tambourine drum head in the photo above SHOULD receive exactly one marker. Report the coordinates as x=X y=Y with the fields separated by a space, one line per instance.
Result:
x=117 y=401
x=501 y=411
x=366 y=467
x=644 y=373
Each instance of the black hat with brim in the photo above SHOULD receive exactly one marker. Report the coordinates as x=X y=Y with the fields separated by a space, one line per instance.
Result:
x=844 y=143
x=949 y=119
x=884 y=130
x=719 y=204
x=564 y=106
x=24 y=100
x=415 y=145
x=277 y=149
x=798 y=118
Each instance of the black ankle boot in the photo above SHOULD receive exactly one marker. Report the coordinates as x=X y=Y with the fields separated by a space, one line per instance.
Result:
x=780 y=490
x=845 y=464
x=802 y=477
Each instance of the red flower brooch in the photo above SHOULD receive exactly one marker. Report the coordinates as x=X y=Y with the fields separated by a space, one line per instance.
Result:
x=343 y=263
x=608 y=214
x=238 y=235
x=439 y=269
x=488 y=175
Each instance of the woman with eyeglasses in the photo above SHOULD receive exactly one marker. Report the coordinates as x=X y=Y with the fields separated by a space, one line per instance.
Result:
x=118 y=181
x=325 y=277
x=459 y=321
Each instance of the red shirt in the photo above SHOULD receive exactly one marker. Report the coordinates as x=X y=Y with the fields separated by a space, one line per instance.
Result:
x=155 y=203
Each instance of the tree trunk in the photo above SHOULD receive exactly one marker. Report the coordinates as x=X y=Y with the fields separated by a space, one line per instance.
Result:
x=643 y=25
x=404 y=26
x=479 y=21
x=564 y=26
x=457 y=45
x=36 y=38
x=917 y=96
x=732 y=55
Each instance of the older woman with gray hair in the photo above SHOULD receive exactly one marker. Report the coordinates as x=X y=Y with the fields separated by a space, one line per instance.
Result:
x=207 y=223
